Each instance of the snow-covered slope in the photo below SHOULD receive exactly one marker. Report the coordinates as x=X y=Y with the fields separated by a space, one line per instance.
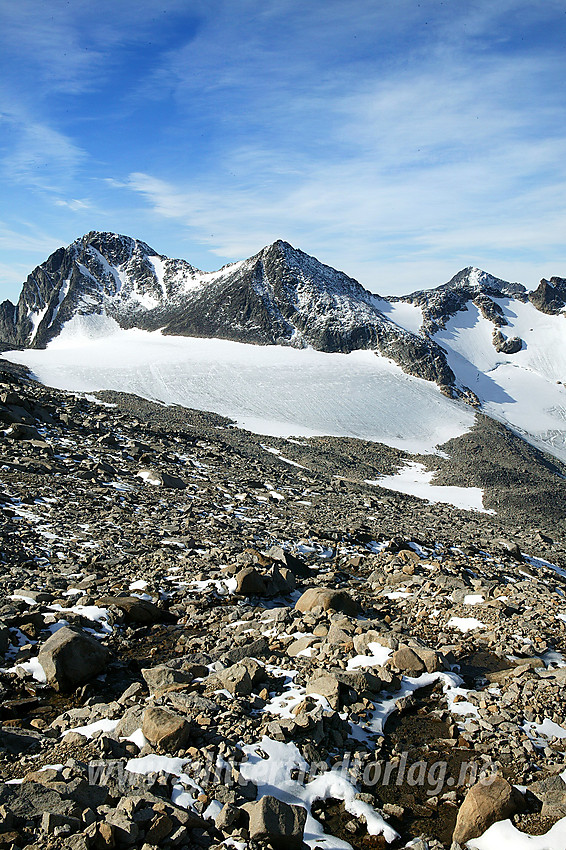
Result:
x=523 y=389
x=273 y=390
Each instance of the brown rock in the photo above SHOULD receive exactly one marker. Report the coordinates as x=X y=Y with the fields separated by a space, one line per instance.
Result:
x=277 y=822
x=327 y=599
x=326 y=685
x=407 y=661
x=250 y=582
x=70 y=657
x=301 y=644
x=161 y=826
x=236 y=679
x=433 y=661
x=136 y=610
x=485 y=804
x=164 y=729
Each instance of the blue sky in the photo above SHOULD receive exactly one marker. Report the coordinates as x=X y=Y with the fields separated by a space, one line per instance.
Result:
x=397 y=140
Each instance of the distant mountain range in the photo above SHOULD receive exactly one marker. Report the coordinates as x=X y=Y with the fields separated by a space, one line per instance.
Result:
x=481 y=339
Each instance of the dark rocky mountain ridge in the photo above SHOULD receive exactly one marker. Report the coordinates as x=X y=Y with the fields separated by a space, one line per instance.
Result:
x=280 y=296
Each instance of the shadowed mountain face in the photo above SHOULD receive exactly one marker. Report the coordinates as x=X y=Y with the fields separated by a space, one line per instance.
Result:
x=281 y=296
x=550 y=295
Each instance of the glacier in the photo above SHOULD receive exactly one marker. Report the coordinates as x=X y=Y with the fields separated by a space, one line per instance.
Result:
x=268 y=389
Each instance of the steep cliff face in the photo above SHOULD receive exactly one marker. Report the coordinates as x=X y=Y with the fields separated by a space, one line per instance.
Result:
x=550 y=295
x=101 y=272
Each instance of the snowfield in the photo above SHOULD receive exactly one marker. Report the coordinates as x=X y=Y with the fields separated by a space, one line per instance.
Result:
x=523 y=390
x=271 y=390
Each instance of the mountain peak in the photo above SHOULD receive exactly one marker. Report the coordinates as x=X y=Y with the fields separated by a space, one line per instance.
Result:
x=479 y=279
x=115 y=247
x=280 y=296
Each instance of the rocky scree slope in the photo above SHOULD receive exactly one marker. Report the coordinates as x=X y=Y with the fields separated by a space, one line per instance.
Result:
x=186 y=607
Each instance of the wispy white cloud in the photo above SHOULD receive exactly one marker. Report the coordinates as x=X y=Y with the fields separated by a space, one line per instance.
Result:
x=418 y=175
x=396 y=140
x=27 y=237
x=74 y=204
x=23 y=240
x=447 y=147
x=38 y=155
x=76 y=45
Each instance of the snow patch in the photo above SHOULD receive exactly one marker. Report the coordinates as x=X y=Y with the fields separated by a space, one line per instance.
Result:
x=504 y=836
x=407 y=316
x=378 y=657
x=414 y=479
x=465 y=624
x=272 y=775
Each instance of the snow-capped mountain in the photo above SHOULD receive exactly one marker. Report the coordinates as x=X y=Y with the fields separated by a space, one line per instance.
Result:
x=280 y=296
x=470 y=284
x=479 y=338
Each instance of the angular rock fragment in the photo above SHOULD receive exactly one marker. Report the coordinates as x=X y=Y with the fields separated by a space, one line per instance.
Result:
x=485 y=804
x=327 y=599
x=255 y=649
x=276 y=822
x=236 y=679
x=161 y=479
x=301 y=645
x=326 y=685
x=137 y=610
x=19 y=431
x=165 y=729
x=407 y=661
x=70 y=657
x=164 y=675
x=250 y=582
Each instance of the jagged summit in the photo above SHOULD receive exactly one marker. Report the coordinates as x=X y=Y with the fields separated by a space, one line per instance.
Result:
x=469 y=284
x=474 y=278
x=550 y=295
x=279 y=296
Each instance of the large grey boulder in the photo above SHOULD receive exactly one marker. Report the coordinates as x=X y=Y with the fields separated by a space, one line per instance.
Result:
x=255 y=648
x=158 y=478
x=236 y=679
x=407 y=661
x=70 y=657
x=136 y=610
x=276 y=822
x=164 y=676
x=301 y=644
x=552 y=793
x=251 y=582
x=326 y=685
x=19 y=431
